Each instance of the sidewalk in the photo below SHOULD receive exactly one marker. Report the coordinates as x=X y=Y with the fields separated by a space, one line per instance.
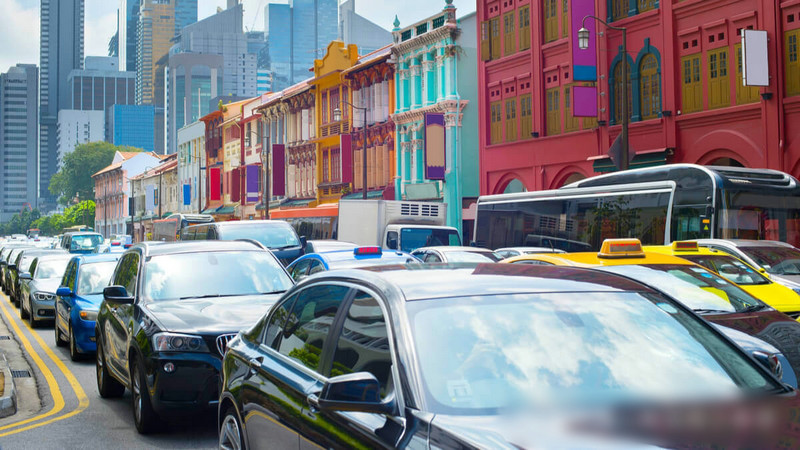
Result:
x=19 y=394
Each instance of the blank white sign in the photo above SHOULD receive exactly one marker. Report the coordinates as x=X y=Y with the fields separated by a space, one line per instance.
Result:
x=755 y=67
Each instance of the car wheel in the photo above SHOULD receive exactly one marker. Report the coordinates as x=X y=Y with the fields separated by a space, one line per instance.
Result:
x=230 y=432
x=107 y=385
x=60 y=342
x=34 y=323
x=144 y=417
x=74 y=354
x=22 y=313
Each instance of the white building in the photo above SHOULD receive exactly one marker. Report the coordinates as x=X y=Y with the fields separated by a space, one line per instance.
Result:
x=191 y=161
x=77 y=127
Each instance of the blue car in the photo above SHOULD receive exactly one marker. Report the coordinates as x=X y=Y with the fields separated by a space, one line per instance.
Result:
x=346 y=259
x=78 y=299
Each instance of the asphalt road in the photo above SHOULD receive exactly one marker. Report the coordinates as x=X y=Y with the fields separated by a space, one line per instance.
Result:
x=72 y=414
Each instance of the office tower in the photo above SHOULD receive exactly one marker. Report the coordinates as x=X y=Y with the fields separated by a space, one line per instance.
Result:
x=278 y=28
x=100 y=84
x=61 y=51
x=314 y=26
x=128 y=20
x=185 y=14
x=154 y=38
x=130 y=125
x=355 y=29
x=77 y=127
x=19 y=92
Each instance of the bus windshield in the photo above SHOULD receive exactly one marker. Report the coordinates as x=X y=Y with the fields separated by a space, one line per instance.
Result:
x=760 y=216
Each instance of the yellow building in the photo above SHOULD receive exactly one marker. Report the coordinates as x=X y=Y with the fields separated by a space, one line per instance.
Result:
x=329 y=90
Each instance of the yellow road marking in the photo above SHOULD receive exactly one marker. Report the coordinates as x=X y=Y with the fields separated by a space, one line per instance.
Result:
x=58 y=398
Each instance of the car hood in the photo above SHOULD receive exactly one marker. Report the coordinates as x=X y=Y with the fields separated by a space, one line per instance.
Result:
x=776 y=295
x=89 y=301
x=211 y=315
x=49 y=285
x=790 y=281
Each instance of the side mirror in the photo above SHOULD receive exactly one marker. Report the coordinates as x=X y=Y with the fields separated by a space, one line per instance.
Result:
x=117 y=295
x=391 y=242
x=25 y=276
x=352 y=392
x=303 y=243
x=12 y=266
x=64 y=291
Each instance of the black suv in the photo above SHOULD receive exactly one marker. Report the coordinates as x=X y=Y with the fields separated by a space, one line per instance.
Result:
x=167 y=316
x=276 y=235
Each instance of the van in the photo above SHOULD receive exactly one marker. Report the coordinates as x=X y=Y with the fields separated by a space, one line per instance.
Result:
x=276 y=235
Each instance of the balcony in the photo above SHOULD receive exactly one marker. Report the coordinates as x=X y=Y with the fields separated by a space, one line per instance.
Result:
x=335 y=128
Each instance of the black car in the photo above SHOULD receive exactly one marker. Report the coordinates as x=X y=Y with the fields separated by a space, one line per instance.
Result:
x=5 y=254
x=276 y=235
x=425 y=356
x=167 y=315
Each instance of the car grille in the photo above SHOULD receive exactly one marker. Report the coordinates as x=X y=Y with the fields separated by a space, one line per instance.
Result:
x=222 y=342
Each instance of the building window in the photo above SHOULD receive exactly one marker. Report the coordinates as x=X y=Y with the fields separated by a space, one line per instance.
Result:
x=325 y=177
x=619 y=9
x=792 y=63
x=570 y=121
x=719 y=90
x=692 y=98
x=336 y=169
x=508 y=33
x=525 y=27
x=646 y=5
x=650 y=87
x=486 y=47
x=511 y=120
x=550 y=21
x=618 y=83
x=496 y=134
x=564 y=18
x=553 y=112
x=744 y=94
x=494 y=28
x=525 y=116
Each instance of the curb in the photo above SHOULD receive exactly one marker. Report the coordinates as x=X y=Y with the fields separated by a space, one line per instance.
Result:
x=8 y=402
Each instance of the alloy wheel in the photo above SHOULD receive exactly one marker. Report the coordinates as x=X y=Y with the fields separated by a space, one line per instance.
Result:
x=136 y=392
x=230 y=436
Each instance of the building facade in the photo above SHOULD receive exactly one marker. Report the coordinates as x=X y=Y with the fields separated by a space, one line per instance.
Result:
x=131 y=125
x=61 y=51
x=687 y=100
x=298 y=113
x=76 y=127
x=155 y=191
x=191 y=162
x=100 y=84
x=127 y=21
x=19 y=110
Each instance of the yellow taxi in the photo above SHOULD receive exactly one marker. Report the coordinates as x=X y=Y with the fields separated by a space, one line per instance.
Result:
x=745 y=276
x=664 y=272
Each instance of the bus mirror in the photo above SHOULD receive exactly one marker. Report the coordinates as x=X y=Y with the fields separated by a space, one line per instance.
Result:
x=709 y=211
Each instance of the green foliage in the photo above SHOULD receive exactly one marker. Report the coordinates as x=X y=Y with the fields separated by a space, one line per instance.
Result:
x=20 y=223
x=80 y=214
x=74 y=179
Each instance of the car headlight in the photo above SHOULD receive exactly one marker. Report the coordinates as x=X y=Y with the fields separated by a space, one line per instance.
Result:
x=43 y=296
x=88 y=315
x=174 y=342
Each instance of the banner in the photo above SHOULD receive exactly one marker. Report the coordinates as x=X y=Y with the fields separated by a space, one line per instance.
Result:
x=278 y=170
x=149 y=198
x=187 y=194
x=236 y=185
x=346 y=152
x=214 y=183
x=253 y=175
x=434 y=146
x=584 y=62
x=584 y=99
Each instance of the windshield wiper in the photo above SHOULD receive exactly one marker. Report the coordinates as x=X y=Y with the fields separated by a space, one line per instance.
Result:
x=273 y=292
x=211 y=296
x=284 y=247
x=711 y=311
x=752 y=308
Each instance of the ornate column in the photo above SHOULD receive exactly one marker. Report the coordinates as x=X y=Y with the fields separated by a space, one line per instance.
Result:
x=416 y=77
x=429 y=70
x=403 y=96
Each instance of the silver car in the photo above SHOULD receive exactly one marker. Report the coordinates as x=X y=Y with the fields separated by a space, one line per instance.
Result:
x=779 y=259
x=38 y=287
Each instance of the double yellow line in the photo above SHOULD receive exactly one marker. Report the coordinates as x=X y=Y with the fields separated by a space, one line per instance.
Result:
x=55 y=392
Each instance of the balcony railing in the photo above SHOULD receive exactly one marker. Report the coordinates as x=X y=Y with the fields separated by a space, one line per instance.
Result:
x=334 y=128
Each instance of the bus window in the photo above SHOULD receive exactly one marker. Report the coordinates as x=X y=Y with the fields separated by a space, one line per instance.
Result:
x=760 y=215
x=687 y=223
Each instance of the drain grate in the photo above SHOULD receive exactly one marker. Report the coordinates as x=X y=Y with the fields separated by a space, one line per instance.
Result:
x=20 y=374
x=5 y=338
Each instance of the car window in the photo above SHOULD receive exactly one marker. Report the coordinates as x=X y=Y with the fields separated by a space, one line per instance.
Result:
x=731 y=268
x=300 y=269
x=211 y=233
x=94 y=277
x=188 y=234
x=272 y=334
x=307 y=326
x=431 y=257
x=316 y=266
x=126 y=273
x=50 y=268
x=32 y=268
x=363 y=344
x=68 y=279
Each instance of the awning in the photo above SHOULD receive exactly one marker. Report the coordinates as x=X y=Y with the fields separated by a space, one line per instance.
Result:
x=370 y=194
x=166 y=214
x=644 y=158
x=299 y=202
x=208 y=211
x=223 y=210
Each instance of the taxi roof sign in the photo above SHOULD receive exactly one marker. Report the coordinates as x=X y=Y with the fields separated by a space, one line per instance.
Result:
x=621 y=248
x=685 y=246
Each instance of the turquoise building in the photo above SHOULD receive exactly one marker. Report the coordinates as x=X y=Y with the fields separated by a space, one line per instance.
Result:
x=436 y=62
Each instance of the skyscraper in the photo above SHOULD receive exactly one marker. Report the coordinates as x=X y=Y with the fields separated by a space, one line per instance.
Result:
x=356 y=29
x=278 y=28
x=61 y=50
x=314 y=26
x=19 y=92
x=154 y=39
x=128 y=20
x=185 y=14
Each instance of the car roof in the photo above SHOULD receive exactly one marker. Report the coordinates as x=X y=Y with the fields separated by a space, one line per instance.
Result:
x=454 y=248
x=591 y=259
x=97 y=257
x=54 y=256
x=745 y=243
x=76 y=233
x=531 y=249
x=669 y=250
x=429 y=281
x=242 y=223
x=155 y=249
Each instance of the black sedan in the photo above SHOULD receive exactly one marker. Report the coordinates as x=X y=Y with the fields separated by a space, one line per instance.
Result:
x=167 y=316
x=448 y=357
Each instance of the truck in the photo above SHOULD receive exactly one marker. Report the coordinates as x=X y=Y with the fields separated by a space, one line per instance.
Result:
x=395 y=224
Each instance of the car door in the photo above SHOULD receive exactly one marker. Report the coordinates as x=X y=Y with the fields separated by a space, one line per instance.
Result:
x=117 y=331
x=362 y=344
x=64 y=304
x=288 y=369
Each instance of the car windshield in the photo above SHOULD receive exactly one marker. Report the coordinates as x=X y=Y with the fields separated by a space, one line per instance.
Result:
x=471 y=257
x=85 y=242
x=694 y=286
x=483 y=354
x=776 y=260
x=213 y=274
x=93 y=277
x=414 y=238
x=51 y=268
x=272 y=236
x=730 y=268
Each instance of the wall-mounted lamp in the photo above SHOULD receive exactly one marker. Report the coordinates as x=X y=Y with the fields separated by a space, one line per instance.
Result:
x=601 y=123
x=766 y=95
x=666 y=113
x=535 y=134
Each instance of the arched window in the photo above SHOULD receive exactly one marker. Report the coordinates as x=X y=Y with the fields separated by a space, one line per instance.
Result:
x=650 y=87
x=618 y=92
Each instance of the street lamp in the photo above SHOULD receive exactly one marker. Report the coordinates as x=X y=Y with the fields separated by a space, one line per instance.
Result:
x=266 y=194
x=583 y=44
x=337 y=116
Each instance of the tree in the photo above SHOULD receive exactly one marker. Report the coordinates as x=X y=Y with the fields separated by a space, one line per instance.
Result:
x=74 y=179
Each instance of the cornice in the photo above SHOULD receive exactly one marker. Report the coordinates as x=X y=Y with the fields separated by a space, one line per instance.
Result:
x=415 y=115
x=429 y=38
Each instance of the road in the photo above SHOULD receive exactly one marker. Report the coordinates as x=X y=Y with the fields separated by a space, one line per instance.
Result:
x=72 y=414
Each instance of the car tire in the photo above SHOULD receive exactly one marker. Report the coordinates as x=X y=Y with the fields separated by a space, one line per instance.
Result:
x=74 y=354
x=22 y=313
x=144 y=416
x=107 y=386
x=231 y=436
x=60 y=342
x=34 y=322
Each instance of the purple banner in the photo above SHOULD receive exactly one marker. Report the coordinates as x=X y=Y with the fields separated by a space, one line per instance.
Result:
x=434 y=146
x=253 y=173
x=584 y=101
x=346 y=159
x=278 y=170
x=584 y=62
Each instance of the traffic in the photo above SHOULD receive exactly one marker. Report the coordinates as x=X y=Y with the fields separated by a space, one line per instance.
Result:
x=567 y=319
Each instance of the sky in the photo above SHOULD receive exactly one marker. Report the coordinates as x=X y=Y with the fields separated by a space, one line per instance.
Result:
x=19 y=21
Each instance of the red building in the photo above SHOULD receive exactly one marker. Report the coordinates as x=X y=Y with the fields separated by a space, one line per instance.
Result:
x=687 y=101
